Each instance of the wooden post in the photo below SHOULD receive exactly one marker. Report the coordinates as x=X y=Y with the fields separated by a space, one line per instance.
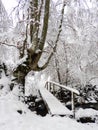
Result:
x=47 y=86
x=53 y=90
x=73 y=104
x=50 y=87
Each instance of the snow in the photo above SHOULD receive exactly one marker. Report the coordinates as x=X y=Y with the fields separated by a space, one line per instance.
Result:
x=55 y=107
x=32 y=84
x=9 y=5
x=10 y=119
x=4 y=81
x=86 y=113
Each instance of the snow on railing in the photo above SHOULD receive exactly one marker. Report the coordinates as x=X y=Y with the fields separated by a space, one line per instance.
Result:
x=50 y=85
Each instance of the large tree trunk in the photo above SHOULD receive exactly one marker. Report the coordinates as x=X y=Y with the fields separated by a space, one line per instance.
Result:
x=31 y=62
x=37 y=44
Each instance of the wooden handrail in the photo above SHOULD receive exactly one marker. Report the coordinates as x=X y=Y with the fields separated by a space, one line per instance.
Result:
x=63 y=86
x=50 y=84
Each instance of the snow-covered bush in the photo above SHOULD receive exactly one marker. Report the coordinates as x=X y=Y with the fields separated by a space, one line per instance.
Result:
x=89 y=93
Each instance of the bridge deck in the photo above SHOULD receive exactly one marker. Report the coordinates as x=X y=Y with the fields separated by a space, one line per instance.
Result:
x=54 y=106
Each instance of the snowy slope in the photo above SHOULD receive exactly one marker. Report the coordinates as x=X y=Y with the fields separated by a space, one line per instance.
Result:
x=10 y=119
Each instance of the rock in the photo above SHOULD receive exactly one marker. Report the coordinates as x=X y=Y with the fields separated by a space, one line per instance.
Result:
x=19 y=111
x=86 y=120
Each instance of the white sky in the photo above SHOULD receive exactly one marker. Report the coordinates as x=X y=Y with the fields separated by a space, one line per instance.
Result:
x=9 y=4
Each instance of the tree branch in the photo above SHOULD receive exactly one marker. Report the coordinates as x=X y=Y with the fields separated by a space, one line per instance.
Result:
x=8 y=44
x=45 y=25
x=46 y=64
x=60 y=26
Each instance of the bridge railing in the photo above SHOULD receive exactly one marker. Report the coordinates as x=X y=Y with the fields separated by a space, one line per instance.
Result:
x=50 y=85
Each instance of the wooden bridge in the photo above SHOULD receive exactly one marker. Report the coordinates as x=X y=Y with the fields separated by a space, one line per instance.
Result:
x=54 y=106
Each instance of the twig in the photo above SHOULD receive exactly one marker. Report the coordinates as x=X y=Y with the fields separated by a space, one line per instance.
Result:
x=8 y=44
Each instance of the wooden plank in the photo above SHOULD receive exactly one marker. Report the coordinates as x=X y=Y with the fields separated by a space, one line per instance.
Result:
x=55 y=107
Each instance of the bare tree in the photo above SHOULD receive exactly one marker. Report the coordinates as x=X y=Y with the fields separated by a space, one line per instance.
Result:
x=37 y=39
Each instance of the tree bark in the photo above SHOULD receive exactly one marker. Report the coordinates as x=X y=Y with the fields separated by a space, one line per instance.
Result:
x=34 y=56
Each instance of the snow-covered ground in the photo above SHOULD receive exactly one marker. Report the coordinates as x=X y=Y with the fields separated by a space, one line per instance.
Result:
x=10 y=119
